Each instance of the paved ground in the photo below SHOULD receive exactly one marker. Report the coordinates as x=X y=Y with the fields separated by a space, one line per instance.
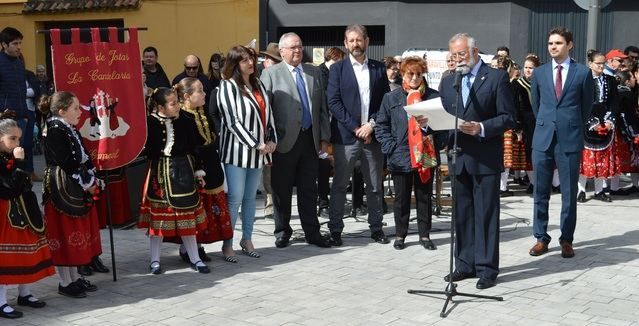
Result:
x=364 y=283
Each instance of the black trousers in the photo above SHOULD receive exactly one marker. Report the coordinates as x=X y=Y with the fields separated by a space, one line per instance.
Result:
x=296 y=168
x=476 y=206
x=323 y=186
x=404 y=184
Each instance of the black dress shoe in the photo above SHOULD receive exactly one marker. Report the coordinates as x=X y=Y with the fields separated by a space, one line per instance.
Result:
x=98 y=266
x=380 y=237
x=157 y=269
x=485 y=283
x=322 y=243
x=336 y=239
x=581 y=197
x=10 y=315
x=282 y=242
x=399 y=244
x=85 y=270
x=603 y=197
x=200 y=269
x=506 y=193
x=73 y=290
x=86 y=285
x=458 y=276
x=24 y=301
x=202 y=254
x=428 y=244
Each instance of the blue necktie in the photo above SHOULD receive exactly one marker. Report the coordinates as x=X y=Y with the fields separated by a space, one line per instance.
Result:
x=465 y=89
x=306 y=108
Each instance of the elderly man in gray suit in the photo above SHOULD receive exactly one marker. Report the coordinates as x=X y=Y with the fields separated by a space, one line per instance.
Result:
x=302 y=125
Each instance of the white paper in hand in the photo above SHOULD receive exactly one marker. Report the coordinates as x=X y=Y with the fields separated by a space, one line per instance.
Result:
x=433 y=109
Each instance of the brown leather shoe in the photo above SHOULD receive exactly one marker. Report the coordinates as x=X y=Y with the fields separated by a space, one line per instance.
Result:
x=539 y=249
x=566 y=249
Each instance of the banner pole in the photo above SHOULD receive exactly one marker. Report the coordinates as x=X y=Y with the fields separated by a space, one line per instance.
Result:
x=110 y=221
x=120 y=29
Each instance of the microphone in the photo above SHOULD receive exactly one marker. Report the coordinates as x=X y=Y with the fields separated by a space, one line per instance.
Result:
x=461 y=70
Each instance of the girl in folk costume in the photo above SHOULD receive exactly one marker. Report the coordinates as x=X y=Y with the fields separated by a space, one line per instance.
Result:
x=628 y=134
x=24 y=254
x=598 y=159
x=514 y=151
x=171 y=204
x=191 y=96
x=70 y=186
x=525 y=117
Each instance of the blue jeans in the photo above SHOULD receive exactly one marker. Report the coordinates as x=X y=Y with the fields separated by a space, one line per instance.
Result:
x=242 y=187
x=27 y=139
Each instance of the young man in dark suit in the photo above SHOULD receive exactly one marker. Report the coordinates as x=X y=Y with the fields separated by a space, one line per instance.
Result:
x=485 y=102
x=562 y=94
x=356 y=86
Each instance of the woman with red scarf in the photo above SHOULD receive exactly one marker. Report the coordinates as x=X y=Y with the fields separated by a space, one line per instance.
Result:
x=409 y=148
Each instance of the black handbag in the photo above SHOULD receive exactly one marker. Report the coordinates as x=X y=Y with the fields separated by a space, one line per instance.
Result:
x=67 y=195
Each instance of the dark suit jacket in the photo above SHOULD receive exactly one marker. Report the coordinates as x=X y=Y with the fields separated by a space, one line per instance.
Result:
x=490 y=102
x=391 y=129
x=344 y=102
x=566 y=116
x=287 y=106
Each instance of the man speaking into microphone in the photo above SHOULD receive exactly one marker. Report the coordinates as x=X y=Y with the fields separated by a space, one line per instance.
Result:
x=484 y=100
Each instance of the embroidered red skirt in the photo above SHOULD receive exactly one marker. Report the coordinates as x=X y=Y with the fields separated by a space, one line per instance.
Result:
x=162 y=220
x=74 y=241
x=600 y=164
x=218 y=219
x=24 y=254
x=515 y=152
x=628 y=153
x=120 y=203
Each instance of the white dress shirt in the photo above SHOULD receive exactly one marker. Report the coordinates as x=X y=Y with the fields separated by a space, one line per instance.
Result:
x=564 y=71
x=363 y=83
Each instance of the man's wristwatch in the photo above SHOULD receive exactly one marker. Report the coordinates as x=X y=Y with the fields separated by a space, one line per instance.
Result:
x=371 y=122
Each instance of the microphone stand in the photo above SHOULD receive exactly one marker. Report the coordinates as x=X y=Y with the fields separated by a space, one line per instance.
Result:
x=451 y=288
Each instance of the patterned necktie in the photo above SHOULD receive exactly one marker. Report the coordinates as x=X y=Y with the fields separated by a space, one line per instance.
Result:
x=558 y=83
x=465 y=89
x=307 y=122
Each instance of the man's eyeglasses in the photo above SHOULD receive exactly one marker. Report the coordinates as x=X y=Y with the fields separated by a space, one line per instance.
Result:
x=598 y=63
x=190 y=68
x=459 y=55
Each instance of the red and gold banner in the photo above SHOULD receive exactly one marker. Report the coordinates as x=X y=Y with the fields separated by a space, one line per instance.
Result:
x=106 y=76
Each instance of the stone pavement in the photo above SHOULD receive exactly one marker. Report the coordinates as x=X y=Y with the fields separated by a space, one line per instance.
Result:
x=364 y=283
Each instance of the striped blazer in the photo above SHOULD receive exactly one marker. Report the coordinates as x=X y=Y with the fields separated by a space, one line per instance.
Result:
x=241 y=130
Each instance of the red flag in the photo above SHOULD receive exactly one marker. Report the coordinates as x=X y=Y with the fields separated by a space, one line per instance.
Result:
x=107 y=79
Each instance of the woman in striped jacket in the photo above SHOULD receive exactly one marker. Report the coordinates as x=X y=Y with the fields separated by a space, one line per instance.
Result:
x=247 y=138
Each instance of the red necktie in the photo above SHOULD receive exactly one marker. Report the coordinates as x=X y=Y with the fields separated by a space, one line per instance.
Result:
x=558 y=83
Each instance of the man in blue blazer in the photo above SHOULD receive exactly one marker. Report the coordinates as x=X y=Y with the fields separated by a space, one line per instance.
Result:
x=354 y=94
x=485 y=102
x=562 y=94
